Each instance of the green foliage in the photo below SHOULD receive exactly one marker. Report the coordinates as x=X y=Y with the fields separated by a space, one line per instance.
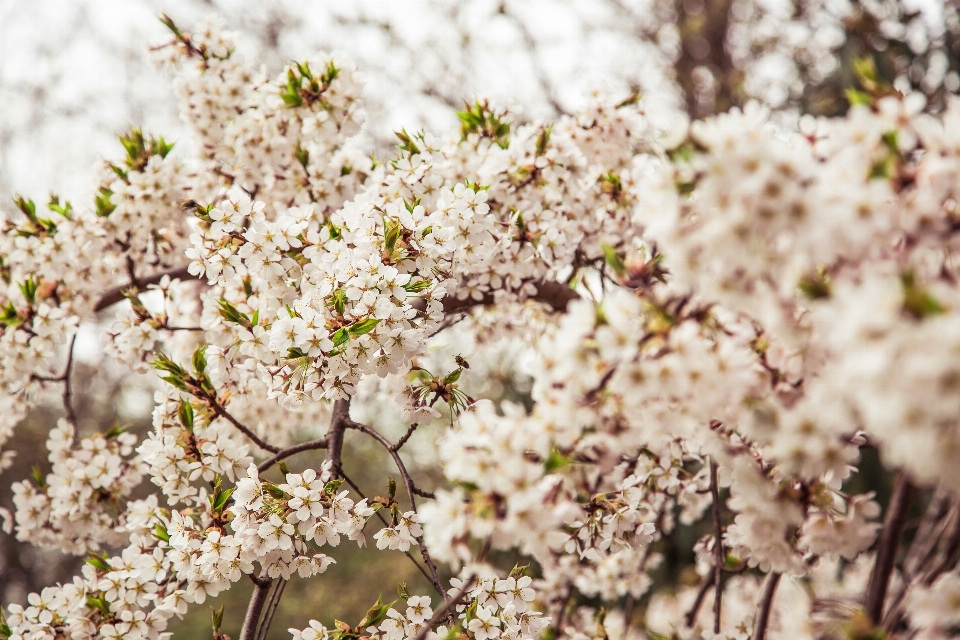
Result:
x=482 y=120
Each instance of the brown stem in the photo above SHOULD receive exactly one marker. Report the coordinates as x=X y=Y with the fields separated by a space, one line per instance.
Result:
x=555 y=294
x=338 y=424
x=893 y=523
x=440 y=613
x=264 y=626
x=289 y=451
x=219 y=410
x=408 y=485
x=67 y=389
x=115 y=295
x=765 y=606
x=402 y=441
x=718 y=555
x=558 y=623
x=387 y=524
x=257 y=600
x=708 y=579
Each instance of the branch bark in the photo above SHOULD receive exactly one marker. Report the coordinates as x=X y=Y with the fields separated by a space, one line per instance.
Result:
x=718 y=554
x=321 y=443
x=893 y=523
x=766 y=605
x=115 y=295
x=257 y=600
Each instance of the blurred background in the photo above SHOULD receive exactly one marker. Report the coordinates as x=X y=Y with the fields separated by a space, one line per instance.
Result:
x=74 y=73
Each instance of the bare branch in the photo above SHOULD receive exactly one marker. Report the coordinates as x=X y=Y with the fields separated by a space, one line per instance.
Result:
x=411 y=492
x=257 y=600
x=440 y=613
x=765 y=606
x=115 y=295
x=893 y=523
x=267 y=619
x=219 y=410
x=708 y=579
x=320 y=443
x=718 y=554
x=338 y=424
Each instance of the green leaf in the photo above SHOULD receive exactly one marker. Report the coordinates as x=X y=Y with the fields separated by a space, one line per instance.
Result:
x=185 y=413
x=406 y=142
x=917 y=301
x=362 y=327
x=200 y=359
x=65 y=210
x=29 y=289
x=103 y=204
x=452 y=377
x=613 y=259
x=160 y=532
x=402 y=590
x=302 y=155
x=217 y=619
x=231 y=314
x=98 y=561
x=555 y=461
x=99 y=604
x=221 y=500
x=340 y=337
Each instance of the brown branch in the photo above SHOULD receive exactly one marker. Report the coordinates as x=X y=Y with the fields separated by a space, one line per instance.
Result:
x=289 y=451
x=893 y=523
x=402 y=441
x=264 y=625
x=555 y=294
x=765 y=606
x=386 y=524
x=338 y=424
x=440 y=613
x=115 y=295
x=257 y=600
x=411 y=492
x=718 y=555
x=67 y=389
x=220 y=411
x=708 y=579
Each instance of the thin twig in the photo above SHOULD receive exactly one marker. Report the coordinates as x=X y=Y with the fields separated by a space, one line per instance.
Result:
x=440 y=613
x=402 y=441
x=765 y=606
x=887 y=549
x=67 y=389
x=705 y=585
x=338 y=424
x=558 y=622
x=257 y=600
x=271 y=609
x=387 y=524
x=221 y=411
x=718 y=555
x=115 y=295
x=408 y=484
x=320 y=443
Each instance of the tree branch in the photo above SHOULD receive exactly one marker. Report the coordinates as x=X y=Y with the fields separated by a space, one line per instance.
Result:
x=338 y=424
x=887 y=549
x=440 y=613
x=718 y=554
x=765 y=606
x=289 y=451
x=220 y=411
x=264 y=625
x=257 y=600
x=411 y=492
x=115 y=295
x=708 y=579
